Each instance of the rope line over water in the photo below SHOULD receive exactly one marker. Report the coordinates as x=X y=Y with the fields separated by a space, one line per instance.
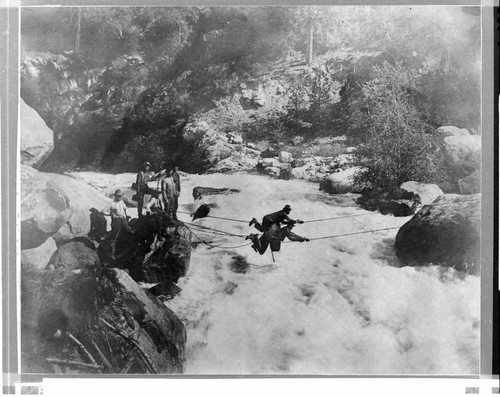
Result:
x=216 y=246
x=335 y=217
x=349 y=234
x=206 y=229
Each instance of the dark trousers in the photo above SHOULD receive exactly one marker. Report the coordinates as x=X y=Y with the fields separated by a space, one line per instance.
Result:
x=117 y=225
x=270 y=236
x=264 y=226
x=176 y=205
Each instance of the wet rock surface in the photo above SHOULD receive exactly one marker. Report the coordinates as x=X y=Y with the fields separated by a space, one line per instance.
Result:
x=96 y=320
x=446 y=232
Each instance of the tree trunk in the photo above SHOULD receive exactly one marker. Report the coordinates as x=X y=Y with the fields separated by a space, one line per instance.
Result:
x=78 y=28
x=311 y=42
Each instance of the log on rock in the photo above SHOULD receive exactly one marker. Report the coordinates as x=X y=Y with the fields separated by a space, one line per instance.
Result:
x=171 y=259
x=200 y=191
x=446 y=233
x=96 y=319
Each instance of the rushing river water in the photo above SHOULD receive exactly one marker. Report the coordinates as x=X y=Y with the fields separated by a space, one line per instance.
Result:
x=331 y=306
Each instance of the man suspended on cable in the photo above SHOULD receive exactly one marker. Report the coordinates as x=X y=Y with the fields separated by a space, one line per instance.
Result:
x=277 y=218
x=274 y=236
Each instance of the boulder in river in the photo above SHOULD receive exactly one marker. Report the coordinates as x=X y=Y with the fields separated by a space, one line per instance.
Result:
x=96 y=320
x=446 y=232
x=340 y=182
x=425 y=193
x=170 y=260
x=165 y=291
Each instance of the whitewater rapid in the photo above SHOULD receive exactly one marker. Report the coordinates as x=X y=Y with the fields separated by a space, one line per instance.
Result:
x=334 y=306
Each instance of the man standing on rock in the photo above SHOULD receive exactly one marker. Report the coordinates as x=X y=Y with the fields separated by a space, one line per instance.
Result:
x=278 y=218
x=118 y=212
x=177 y=180
x=169 y=194
x=141 y=186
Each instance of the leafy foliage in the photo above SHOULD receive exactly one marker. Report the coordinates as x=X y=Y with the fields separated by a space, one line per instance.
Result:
x=397 y=145
x=139 y=71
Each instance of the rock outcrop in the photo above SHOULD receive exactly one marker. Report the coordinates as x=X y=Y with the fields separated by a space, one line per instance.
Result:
x=74 y=255
x=471 y=184
x=340 y=182
x=37 y=139
x=81 y=197
x=39 y=257
x=424 y=193
x=170 y=260
x=462 y=157
x=446 y=233
x=96 y=320
x=403 y=201
x=55 y=205
x=45 y=207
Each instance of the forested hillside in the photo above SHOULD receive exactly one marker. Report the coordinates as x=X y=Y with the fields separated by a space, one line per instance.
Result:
x=118 y=85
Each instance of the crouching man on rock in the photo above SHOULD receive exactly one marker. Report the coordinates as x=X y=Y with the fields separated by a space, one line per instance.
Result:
x=274 y=237
x=118 y=212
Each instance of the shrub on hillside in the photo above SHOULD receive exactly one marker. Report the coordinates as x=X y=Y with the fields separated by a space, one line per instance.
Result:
x=397 y=142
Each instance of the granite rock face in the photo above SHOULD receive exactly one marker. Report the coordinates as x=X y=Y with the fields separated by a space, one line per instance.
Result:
x=446 y=232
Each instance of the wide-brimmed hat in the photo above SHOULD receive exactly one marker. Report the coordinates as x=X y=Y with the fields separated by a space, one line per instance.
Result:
x=93 y=209
x=118 y=192
x=287 y=207
x=147 y=163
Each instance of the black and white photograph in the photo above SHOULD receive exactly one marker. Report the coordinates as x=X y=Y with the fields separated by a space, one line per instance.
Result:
x=276 y=190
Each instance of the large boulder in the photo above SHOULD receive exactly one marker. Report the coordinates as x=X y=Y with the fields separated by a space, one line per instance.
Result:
x=45 y=207
x=96 y=320
x=446 y=233
x=37 y=139
x=39 y=257
x=170 y=261
x=471 y=184
x=268 y=162
x=195 y=131
x=425 y=193
x=237 y=162
x=450 y=130
x=218 y=151
x=340 y=182
x=81 y=197
x=461 y=152
x=74 y=255
x=285 y=157
x=343 y=161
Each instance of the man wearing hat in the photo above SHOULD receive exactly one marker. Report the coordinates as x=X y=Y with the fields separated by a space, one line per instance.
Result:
x=274 y=238
x=118 y=212
x=275 y=218
x=142 y=187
